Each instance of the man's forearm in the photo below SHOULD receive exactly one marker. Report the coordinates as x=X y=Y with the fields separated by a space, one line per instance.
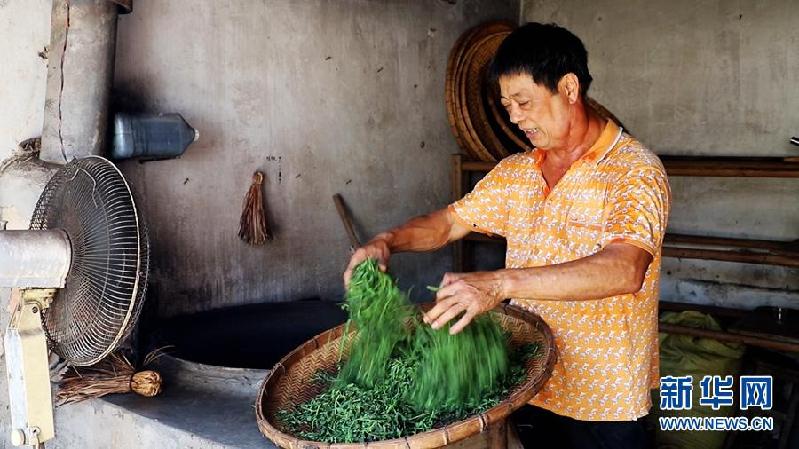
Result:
x=616 y=270
x=424 y=233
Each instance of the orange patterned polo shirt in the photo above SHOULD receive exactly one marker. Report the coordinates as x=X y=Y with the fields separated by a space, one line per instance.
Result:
x=618 y=191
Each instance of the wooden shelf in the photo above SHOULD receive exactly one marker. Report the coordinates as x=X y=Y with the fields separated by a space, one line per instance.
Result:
x=729 y=337
x=720 y=313
x=738 y=167
x=477 y=237
x=700 y=166
x=777 y=247
x=733 y=319
x=768 y=252
x=761 y=252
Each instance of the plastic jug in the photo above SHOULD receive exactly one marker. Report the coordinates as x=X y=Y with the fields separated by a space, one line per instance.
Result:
x=151 y=136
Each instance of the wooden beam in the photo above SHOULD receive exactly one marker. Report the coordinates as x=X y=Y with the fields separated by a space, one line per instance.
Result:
x=478 y=237
x=760 y=252
x=700 y=166
x=478 y=166
x=740 y=256
x=743 y=167
x=729 y=337
x=721 y=312
x=775 y=246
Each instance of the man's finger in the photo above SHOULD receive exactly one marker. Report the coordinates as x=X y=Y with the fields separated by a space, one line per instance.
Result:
x=348 y=271
x=449 y=314
x=446 y=280
x=347 y=275
x=358 y=256
x=463 y=322
x=449 y=278
x=436 y=311
x=447 y=291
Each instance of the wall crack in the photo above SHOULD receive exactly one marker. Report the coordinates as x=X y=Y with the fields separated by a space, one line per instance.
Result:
x=61 y=91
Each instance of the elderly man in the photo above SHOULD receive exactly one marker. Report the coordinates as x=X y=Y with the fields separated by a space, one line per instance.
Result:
x=584 y=216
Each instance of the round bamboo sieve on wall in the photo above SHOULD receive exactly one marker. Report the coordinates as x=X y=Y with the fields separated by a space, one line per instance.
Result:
x=289 y=383
x=466 y=69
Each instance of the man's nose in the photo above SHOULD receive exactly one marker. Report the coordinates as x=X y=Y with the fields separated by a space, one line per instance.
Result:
x=515 y=115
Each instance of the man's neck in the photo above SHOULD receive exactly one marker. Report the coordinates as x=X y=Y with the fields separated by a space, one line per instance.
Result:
x=585 y=128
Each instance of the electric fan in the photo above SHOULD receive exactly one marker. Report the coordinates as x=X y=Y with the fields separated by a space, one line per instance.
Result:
x=78 y=279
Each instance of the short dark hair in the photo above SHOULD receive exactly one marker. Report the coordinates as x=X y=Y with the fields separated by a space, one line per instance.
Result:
x=544 y=51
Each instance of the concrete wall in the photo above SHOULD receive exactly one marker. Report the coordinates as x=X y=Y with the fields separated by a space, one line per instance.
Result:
x=25 y=31
x=324 y=96
x=714 y=77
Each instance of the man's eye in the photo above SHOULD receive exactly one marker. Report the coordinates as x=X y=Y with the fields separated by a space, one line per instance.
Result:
x=523 y=103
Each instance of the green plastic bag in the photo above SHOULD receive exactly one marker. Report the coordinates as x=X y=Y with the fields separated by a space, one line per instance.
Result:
x=682 y=355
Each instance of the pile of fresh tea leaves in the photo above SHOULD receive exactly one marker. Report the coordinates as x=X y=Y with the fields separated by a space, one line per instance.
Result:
x=401 y=376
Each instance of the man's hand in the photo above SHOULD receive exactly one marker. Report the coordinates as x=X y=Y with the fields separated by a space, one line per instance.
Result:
x=377 y=249
x=467 y=293
x=422 y=233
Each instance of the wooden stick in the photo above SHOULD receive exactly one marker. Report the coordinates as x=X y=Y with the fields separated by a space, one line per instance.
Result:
x=343 y=213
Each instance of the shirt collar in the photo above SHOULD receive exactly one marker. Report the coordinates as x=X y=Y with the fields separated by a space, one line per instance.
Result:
x=607 y=140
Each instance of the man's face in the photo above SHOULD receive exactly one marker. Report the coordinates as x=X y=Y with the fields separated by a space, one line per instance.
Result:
x=541 y=114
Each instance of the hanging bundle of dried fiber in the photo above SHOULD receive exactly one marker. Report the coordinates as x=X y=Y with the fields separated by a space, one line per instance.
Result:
x=253 y=228
x=114 y=374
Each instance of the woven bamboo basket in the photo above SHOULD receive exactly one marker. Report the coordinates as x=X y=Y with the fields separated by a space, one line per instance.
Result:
x=458 y=65
x=289 y=383
x=472 y=89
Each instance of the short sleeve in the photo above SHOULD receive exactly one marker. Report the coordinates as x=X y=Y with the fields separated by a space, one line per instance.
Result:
x=485 y=208
x=638 y=209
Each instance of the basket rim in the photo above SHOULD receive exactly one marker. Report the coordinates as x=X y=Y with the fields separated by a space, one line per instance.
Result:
x=518 y=398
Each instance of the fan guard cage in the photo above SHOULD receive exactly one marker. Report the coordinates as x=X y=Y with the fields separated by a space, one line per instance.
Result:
x=90 y=200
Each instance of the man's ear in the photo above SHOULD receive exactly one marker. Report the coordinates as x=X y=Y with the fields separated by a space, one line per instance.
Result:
x=569 y=87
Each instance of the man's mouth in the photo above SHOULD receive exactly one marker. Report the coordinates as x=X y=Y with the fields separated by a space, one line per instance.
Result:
x=531 y=133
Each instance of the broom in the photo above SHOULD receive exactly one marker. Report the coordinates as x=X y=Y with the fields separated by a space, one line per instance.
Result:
x=114 y=374
x=252 y=226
